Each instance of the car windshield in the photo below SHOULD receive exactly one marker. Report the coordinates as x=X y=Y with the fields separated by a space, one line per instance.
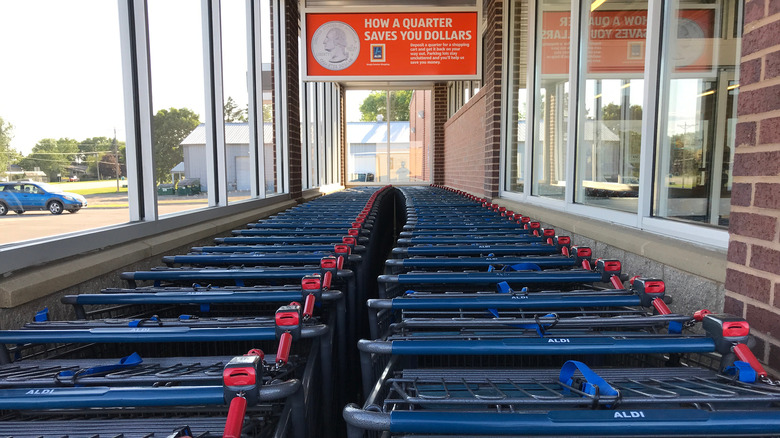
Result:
x=49 y=188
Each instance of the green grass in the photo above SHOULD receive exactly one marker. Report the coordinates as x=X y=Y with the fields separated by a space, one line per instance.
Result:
x=99 y=191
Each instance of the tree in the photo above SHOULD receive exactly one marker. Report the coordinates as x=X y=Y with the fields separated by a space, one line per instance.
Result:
x=612 y=111
x=376 y=103
x=233 y=113
x=108 y=166
x=53 y=157
x=7 y=154
x=169 y=128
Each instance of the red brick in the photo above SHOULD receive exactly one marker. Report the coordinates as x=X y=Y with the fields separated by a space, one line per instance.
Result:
x=761 y=38
x=759 y=347
x=757 y=164
x=770 y=131
x=737 y=252
x=741 y=194
x=752 y=225
x=765 y=321
x=777 y=295
x=759 y=101
x=750 y=72
x=774 y=357
x=745 y=134
x=733 y=306
x=765 y=259
x=767 y=196
x=771 y=65
x=748 y=285
x=754 y=10
x=774 y=7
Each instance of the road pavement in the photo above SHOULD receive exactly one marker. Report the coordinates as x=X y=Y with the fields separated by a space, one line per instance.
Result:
x=102 y=210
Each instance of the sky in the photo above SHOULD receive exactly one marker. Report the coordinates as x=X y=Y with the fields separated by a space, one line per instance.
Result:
x=61 y=70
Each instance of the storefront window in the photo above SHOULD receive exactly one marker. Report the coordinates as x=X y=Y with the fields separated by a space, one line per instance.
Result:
x=552 y=98
x=518 y=109
x=698 y=92
x=609 y=126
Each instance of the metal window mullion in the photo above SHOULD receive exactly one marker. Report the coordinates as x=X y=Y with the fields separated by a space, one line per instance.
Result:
x=336 y=134
x=578 y=48
x=653 y=65
x=304 y=111
x=216 y=167
x=137 y=85
x=280 y=72
x=387 y=121
x=320 y=121
x=530 y=90
x=328 y=133
x=507 y=87
x=255 y=89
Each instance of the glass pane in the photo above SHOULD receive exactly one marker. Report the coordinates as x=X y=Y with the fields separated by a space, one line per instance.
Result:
x=62 y=119
x=415 y=167
x=610 y=115
x=268 y=161
x=515 y=150
x=366 y=135
x=178 y=133
x=552 y=98
x=311 y=130
x=699 y=92
x=236 y=105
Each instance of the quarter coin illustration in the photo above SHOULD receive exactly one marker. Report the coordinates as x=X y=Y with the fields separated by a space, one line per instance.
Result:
x=335 y=45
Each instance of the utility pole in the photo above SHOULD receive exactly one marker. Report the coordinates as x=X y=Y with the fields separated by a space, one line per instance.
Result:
x=115 y=148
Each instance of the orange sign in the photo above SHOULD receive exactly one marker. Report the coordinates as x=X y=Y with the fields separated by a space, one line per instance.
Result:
x=617 y=41
x=376 y=46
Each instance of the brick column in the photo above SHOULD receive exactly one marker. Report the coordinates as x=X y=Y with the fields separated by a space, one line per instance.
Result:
x=753 y=274
x=491 y=82
x=291 y=26
x=439 y=119
x=343 y=135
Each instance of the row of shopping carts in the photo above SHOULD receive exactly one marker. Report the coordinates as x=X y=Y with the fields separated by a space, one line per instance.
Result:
x=487 y=324
x=247 y=337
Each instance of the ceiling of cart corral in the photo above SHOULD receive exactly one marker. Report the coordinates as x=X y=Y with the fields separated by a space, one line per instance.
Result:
x=389 y=3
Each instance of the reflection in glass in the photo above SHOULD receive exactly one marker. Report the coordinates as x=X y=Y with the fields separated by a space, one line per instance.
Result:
x=388 y=135
x=62 y=116
x=610 y=114
x=269 y=153
x=178 y=103
x=699 y=90
x=552 y=99
x=515 y=151
x=236 y=105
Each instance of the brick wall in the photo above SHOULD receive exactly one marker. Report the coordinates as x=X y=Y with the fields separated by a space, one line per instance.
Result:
x=753 y=273
x=439 y=119
x=491 y=85
x=464 y=151
x=292 y=19
x=343 y=135
x=420 y=137
x=472 y=137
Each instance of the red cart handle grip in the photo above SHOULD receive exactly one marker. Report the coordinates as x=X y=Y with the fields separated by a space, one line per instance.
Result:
x=235 y=418
x=745 y=355
x=283 y=352
x=308 y=306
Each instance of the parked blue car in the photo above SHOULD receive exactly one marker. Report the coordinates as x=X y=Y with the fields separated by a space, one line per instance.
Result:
x=21 y=196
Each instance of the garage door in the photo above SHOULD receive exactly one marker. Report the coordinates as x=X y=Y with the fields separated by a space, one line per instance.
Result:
x=242 y=173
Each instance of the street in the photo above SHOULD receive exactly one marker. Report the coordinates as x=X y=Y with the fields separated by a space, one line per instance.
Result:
x=102 y=210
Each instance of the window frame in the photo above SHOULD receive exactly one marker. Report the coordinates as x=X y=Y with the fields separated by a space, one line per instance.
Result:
x=642 y=219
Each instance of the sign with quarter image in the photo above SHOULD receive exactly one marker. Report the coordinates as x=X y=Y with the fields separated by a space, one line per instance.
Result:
x=375 y=46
